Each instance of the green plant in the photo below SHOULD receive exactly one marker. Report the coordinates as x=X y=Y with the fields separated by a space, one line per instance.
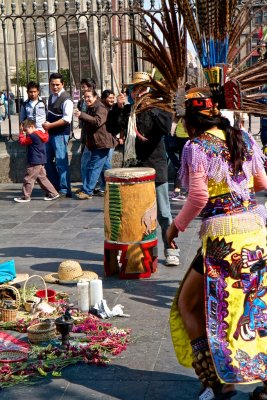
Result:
x=23 y=76
x=66 y=76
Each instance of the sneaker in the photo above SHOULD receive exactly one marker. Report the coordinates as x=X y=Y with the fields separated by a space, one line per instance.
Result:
x=64 y=195
x=99 y=192
x=83 y=196
x=51 y=197
x=179 y=197
x=172 y=257
x=172 y=261
x=21 y=200
x=76 y=190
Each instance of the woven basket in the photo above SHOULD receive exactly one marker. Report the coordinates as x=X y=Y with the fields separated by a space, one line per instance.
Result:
x=42 y=332
x=10 y=314
x=9 y=356
x=28 y=303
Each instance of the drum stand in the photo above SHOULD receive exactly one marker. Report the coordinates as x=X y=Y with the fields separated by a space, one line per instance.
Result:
x=127 y=264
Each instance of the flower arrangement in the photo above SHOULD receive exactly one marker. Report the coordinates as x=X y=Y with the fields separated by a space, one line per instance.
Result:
x=98 y=345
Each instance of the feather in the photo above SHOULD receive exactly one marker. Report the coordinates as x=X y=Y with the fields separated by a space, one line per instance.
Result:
x=236 y=49
x=168 y=56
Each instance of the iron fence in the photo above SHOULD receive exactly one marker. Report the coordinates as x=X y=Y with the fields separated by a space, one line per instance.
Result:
x=80 y=39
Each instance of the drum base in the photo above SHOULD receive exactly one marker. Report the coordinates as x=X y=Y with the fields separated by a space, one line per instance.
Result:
x=135 y=261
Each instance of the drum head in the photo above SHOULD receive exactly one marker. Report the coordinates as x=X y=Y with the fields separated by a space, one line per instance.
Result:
x=129 y=173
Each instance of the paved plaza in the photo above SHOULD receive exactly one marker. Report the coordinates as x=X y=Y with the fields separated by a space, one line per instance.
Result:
x=39 y=235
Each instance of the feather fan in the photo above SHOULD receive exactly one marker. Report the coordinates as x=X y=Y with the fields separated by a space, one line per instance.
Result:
x=163 y=47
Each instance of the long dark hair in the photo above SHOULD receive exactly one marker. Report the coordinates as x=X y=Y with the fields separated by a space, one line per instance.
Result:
x=197 y=124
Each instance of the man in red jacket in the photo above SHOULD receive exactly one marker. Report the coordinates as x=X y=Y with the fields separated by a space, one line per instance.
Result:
x=35 y=140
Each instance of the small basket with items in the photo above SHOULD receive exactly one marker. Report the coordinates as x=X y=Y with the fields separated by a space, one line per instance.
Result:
x=9 y=303
x=45 y=295
x=41 y=332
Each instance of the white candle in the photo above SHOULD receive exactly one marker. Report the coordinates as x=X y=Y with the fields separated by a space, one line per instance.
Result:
x=96 y=292
x=83 y=296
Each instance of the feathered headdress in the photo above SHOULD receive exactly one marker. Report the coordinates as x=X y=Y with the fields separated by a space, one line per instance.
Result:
x=215 y=28
x=165 y=48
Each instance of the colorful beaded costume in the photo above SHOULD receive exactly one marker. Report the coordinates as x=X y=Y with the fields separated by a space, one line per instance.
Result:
x=234 y=247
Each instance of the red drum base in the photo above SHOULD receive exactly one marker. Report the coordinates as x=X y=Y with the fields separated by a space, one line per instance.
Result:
x=128 y=266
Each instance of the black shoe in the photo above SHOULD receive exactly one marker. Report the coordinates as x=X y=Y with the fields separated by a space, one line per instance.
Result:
x=65 y=195
x=99 y=192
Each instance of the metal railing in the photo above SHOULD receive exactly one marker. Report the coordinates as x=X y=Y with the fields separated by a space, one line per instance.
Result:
x=80 y=39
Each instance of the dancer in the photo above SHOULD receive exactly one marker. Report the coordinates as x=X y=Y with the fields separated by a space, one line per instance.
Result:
x=219 y=316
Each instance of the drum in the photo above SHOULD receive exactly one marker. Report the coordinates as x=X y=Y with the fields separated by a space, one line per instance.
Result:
x=130 y=222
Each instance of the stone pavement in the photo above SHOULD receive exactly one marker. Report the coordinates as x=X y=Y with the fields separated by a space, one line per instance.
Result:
x=39 y=235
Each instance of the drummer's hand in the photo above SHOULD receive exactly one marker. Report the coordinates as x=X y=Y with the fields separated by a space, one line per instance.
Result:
x=77 y=113
x=172 y=232
x=121 y=100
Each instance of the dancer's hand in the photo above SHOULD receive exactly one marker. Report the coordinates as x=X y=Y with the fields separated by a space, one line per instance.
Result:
x=172 y=232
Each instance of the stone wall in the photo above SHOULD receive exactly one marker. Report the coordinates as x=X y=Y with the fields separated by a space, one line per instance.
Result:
x=13 y=161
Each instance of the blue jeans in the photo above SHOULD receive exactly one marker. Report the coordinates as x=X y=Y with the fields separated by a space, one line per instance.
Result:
x=57 y=166
x=175 y=155
x=107 y=166
x=94 y=169
x=164 y=210
x=86 y=156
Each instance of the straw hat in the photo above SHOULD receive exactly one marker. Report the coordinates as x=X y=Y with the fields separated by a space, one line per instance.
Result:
x=139 y=78
x=70 y=271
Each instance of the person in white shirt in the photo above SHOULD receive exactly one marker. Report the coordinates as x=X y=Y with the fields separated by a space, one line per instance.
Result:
x=59 y=117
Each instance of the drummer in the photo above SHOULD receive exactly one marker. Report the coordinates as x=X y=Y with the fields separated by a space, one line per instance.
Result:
x=152 y=126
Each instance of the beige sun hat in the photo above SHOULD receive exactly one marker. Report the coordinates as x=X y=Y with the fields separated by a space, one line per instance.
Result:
x=139 y=78
x=19 y=278
x=70 y=271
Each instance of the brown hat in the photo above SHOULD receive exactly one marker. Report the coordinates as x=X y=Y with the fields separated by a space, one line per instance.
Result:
x=70 y=271
x=139 y=78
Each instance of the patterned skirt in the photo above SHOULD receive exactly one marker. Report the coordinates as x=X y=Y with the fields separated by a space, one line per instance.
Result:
x=235 y=254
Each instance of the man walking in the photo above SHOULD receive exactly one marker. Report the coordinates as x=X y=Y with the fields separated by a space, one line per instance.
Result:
x=59 y=117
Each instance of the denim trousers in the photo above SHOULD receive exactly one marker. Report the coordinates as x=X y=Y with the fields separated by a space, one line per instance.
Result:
x=107 y=165
x=164 y=210
x=57 y=166
x=86 y=156
x=174 y=154
x=94 y=168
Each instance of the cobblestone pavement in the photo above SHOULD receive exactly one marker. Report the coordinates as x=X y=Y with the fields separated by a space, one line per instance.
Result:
x=39 y=235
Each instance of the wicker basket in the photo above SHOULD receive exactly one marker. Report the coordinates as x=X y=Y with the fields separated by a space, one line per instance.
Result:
x=42 y=332
x=10 y=356
x=29 y=303
x=10 y=314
